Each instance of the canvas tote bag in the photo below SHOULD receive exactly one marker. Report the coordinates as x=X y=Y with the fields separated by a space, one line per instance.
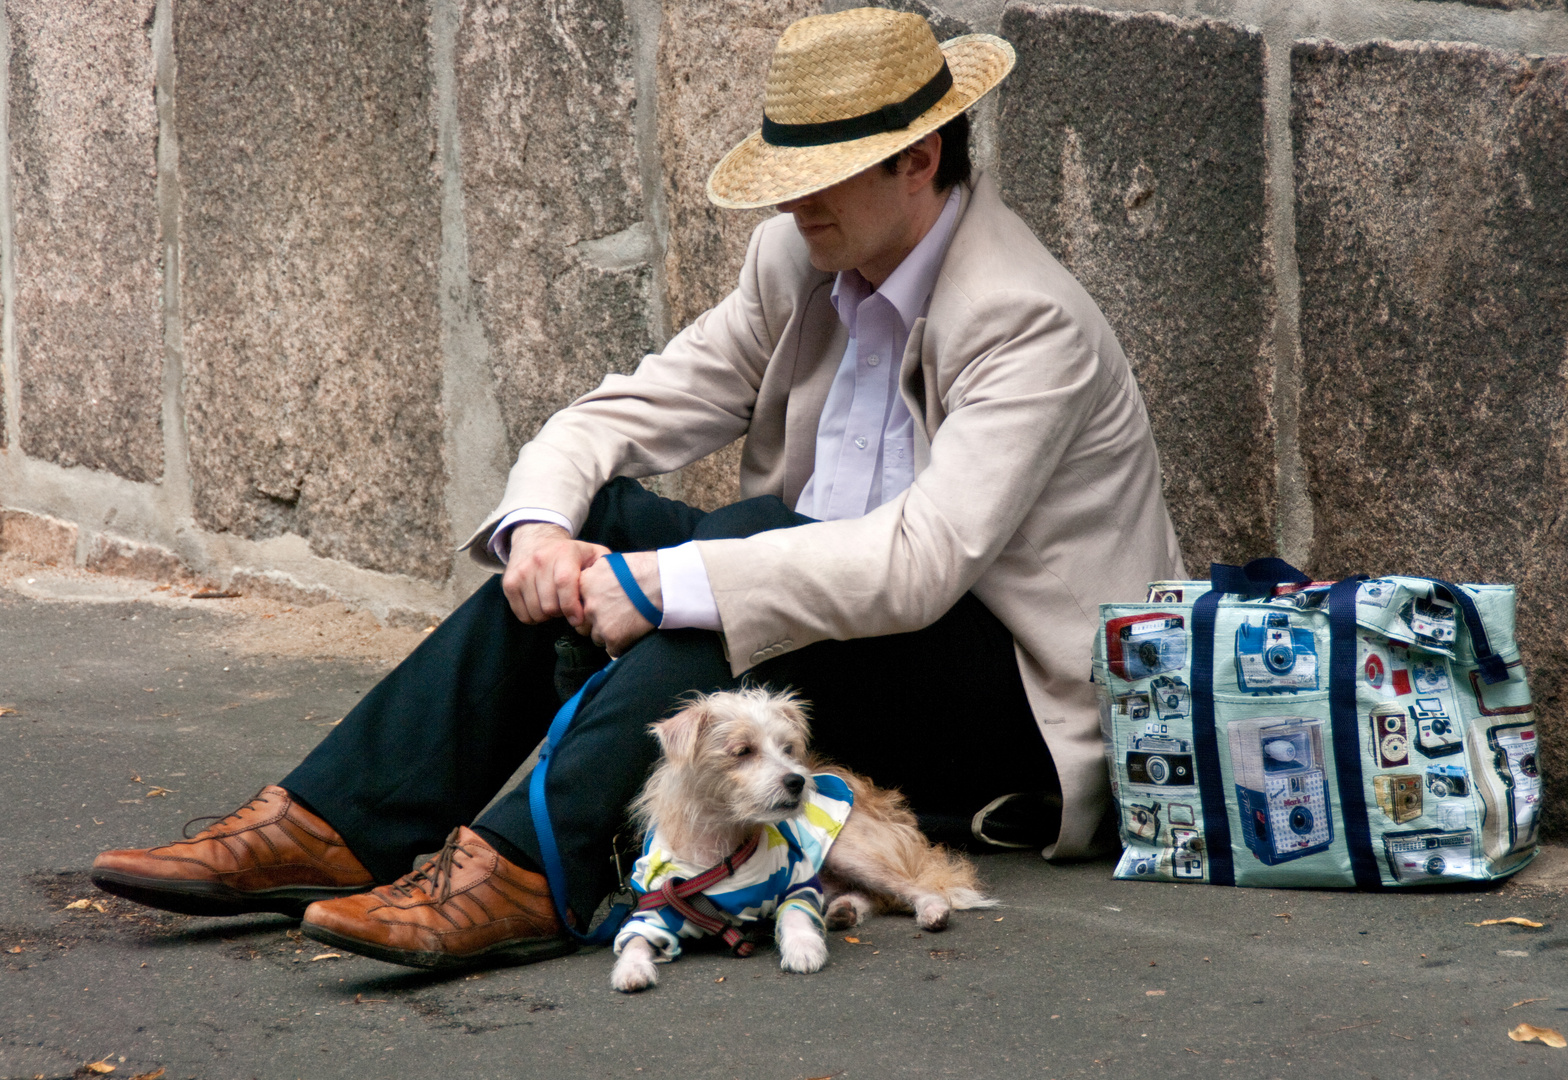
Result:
x=1264 y=729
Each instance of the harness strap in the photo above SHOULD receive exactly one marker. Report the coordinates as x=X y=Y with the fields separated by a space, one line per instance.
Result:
x=685 y=895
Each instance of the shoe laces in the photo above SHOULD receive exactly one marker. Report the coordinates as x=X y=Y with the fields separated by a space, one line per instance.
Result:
x=437 y=871
x=220 y=819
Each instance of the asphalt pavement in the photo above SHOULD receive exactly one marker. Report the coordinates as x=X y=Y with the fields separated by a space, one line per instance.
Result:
x=124 y=718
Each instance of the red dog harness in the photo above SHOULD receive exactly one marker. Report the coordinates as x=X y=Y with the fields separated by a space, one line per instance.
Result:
x=685 y=896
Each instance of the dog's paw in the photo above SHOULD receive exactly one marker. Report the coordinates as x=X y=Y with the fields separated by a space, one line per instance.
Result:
x=931 y=913
x=635 y=969
x=847 y=911
x=801 y=945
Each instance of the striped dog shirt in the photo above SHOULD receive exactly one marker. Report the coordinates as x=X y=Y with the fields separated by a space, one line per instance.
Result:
x=781 y=873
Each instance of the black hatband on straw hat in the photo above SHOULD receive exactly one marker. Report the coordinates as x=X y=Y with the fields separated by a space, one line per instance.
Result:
x=892 y=117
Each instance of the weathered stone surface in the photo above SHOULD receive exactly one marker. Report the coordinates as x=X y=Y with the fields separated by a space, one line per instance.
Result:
x=706 y=106
x=1133 y=144
x=1516 y=5
x=1430 y=186
x=943 y=25
x=37 y=537
x=560 y=257
x=84 y=132
x=116 y=555
x=310 y=240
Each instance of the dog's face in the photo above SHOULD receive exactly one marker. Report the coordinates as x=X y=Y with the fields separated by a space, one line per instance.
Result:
x=740 y=755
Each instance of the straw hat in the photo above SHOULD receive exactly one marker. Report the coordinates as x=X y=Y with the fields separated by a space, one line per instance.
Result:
x=846 y=91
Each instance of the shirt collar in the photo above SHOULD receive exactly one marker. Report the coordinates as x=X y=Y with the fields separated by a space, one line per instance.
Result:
x=909 y=286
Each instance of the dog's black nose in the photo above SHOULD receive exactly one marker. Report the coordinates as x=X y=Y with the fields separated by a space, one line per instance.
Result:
x=794 y=783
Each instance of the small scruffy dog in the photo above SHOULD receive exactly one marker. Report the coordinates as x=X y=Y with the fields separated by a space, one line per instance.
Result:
x=736 y=766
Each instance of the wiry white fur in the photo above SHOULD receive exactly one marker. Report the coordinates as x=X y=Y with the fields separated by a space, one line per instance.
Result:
x=729 y=763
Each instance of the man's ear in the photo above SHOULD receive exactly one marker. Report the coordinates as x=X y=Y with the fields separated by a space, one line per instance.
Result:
x=679 y=734
x=920 y=160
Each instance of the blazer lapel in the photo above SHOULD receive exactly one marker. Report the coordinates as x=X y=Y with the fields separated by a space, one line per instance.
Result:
x=917 y=384
x=823 y=339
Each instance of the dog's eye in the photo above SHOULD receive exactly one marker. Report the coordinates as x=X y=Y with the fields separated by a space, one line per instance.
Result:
x=790 y=749
x=741 y=751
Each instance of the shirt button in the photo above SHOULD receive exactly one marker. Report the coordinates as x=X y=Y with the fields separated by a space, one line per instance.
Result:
x=873 y=360
x=861 y=442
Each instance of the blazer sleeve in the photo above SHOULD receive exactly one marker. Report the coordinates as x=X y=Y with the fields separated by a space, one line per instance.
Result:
x=1030 y=386
x=679 y=405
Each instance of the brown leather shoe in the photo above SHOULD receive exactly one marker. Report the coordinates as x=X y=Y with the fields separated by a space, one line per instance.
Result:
x=466 y=906
x=269 y=855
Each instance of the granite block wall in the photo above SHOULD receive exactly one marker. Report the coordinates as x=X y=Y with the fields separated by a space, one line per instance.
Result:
x=1430 y=186
x=83 y=138
x=285 y=287
x=1133 y=145
x=559 y=251
x=310 y=237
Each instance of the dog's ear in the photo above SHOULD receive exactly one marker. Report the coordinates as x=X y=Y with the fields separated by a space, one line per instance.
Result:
x=679 y=734
x=798 y=713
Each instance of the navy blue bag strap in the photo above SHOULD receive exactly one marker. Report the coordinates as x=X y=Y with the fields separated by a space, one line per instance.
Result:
x=1493 y=668
x=1257 y=578
x=1345 y=725
x=549 y=853
x=1205 y=744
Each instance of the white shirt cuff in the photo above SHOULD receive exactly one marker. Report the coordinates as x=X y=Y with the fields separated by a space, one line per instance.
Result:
x=501 y=539
x=684 y=588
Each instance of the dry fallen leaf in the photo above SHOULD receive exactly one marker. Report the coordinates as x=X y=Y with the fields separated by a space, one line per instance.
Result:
x=1154 y=993
x=1283 y=915
x=14 y=949
x=326 y=956
x=79 y=905
x=853 y=940
x=6 y=710
x=1531 y=1033
x=156 y=1074
x=98 y=906
x=1512 y=920
x=1526 y=1001
x=100 y=1066
x=719 y=979
x=158 y=792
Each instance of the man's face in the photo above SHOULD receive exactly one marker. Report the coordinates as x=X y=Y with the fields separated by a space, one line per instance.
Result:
x=854 y=223
x=875 y=218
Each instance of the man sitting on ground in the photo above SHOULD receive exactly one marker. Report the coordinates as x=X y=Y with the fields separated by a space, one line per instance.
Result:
x=947 y=467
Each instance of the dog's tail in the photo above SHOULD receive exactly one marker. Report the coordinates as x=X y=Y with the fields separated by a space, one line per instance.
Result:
x=883 y=852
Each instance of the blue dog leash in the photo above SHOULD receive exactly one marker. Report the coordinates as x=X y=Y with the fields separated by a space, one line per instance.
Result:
x=634 y=593
x=549 y=852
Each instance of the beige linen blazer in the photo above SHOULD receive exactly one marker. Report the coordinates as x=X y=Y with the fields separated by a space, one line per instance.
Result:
x=1037 y=483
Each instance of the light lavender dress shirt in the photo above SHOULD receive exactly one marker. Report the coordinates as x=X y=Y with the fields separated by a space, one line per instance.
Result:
x=865 y=436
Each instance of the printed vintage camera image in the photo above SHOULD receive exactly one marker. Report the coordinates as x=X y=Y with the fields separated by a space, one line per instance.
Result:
x=1138 y=646
x=1504 y=770
x=1445 y=780
x=1274 y=657
x=1277 y=763
x=1431 y=621
x=1429 y=853
x=1155 y=761
x=1389 y=736
x=1172 y=698
x=1437 y=735
x=1398 y=796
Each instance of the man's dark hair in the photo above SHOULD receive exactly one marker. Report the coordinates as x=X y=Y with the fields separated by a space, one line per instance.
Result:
x=954 y=166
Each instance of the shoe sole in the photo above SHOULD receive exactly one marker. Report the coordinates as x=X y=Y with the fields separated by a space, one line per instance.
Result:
x=502 y=954
x=215 y=898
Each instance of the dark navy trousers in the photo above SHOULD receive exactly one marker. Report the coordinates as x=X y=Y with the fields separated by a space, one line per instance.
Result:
x=939 y=713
